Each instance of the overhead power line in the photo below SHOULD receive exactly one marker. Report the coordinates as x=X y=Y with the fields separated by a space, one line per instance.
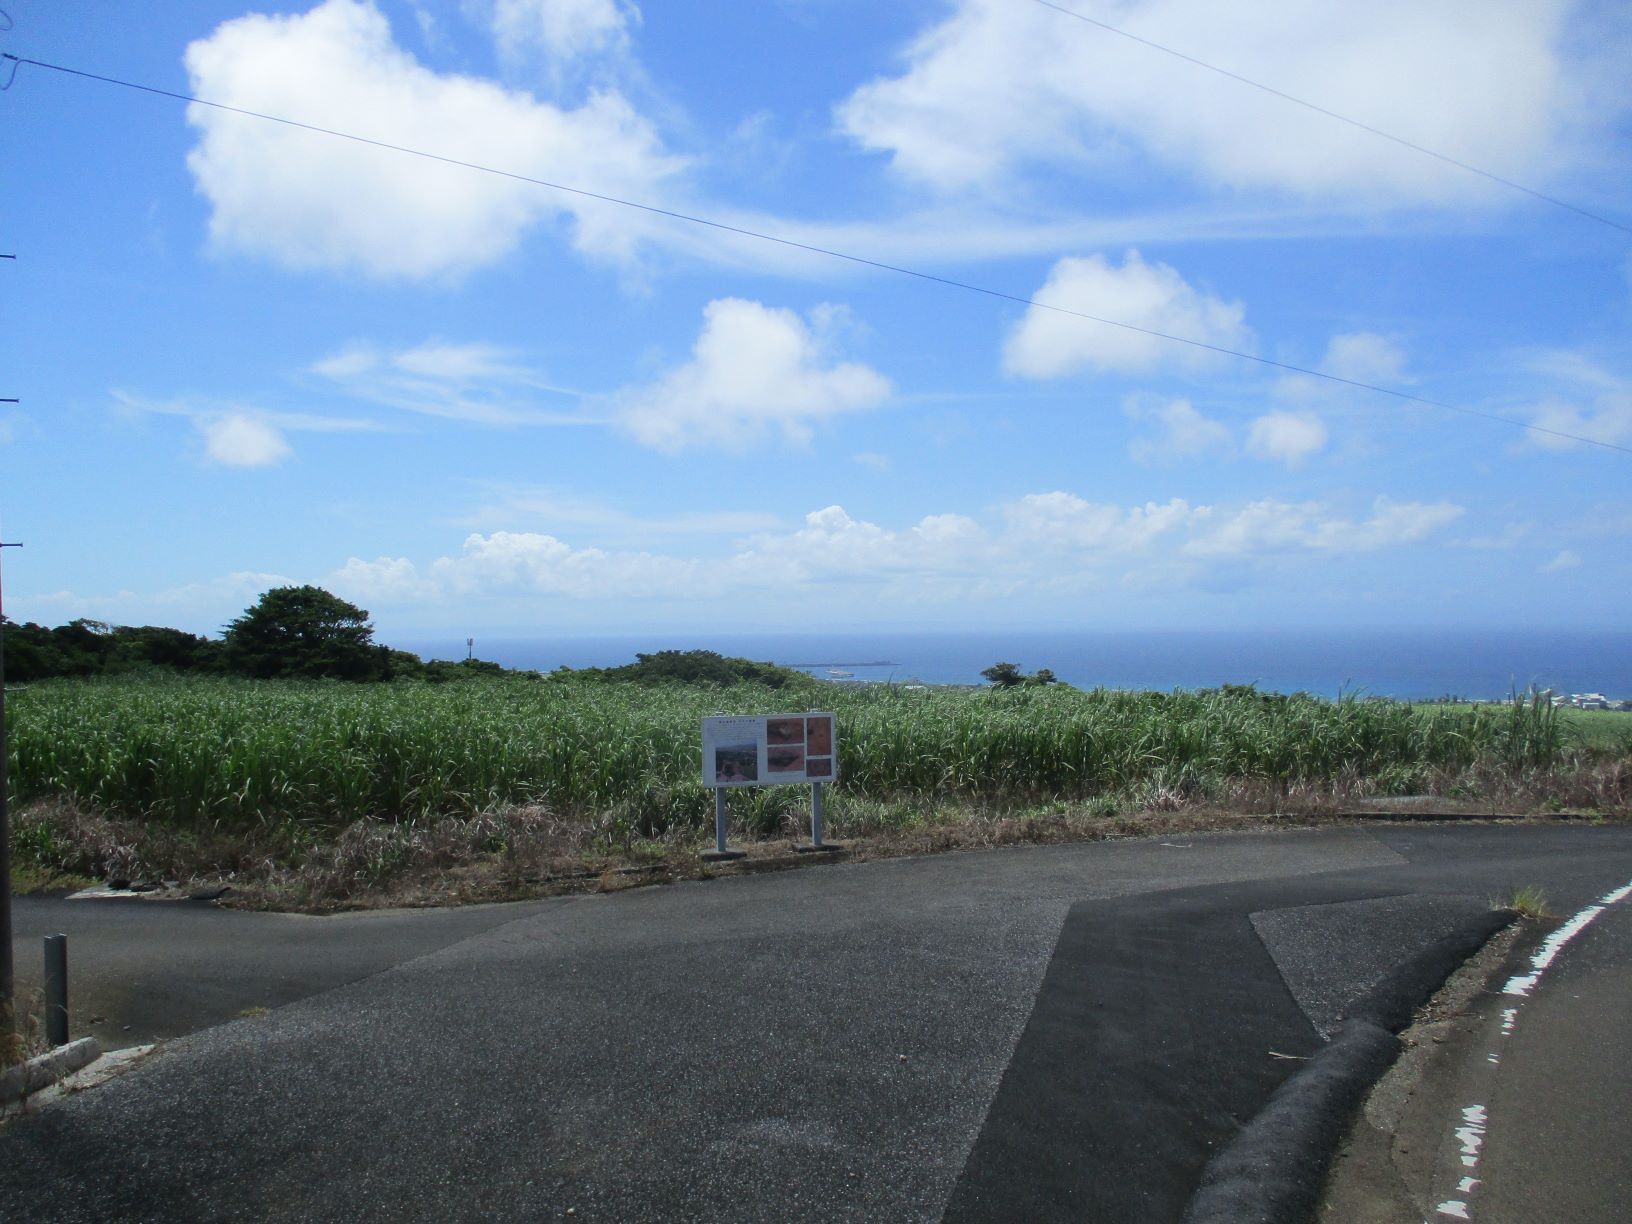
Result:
x=1331 y=114
x=828 y=252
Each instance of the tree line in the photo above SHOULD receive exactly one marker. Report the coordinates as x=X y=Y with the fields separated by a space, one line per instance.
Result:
x=294 y=632
x=304 y=632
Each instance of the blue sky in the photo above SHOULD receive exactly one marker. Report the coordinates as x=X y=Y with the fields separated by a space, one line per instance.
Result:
x=251 y=355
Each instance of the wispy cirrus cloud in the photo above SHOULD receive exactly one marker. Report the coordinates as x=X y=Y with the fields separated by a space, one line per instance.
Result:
x=557 y=510
x=235 y=434
x=477 y=383
x=199 y=607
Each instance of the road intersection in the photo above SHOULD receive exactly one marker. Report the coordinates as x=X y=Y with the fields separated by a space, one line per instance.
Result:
x=1065 y=1032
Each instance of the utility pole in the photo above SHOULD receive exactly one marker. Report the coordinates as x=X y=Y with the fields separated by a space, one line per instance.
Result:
x=7 y=979
x=7 y=993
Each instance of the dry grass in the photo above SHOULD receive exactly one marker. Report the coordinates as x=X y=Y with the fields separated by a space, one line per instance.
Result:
x=1529 y=903
x=528 y=850
x=24 y=1037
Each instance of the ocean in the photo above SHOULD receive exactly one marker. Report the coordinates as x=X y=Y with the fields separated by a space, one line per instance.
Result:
x=1477 y=664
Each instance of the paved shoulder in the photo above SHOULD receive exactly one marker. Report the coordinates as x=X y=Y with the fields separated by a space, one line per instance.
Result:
x=1559 y=1143
x=142 y=971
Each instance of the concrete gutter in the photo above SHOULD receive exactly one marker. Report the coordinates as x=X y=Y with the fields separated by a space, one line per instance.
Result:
x=24 y=1080
x=1273 y=1170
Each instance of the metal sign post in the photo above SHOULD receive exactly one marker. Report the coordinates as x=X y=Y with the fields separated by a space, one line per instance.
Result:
x=721 y=851
x=817 y=845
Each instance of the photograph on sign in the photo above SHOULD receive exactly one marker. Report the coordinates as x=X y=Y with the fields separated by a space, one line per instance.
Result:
x=784 y=731
x=819 y=741
x=785 y=760
x=736 y=763
x=757 y=749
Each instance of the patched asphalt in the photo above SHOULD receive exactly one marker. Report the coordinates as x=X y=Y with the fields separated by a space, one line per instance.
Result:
x=1365 y=937
x=1041 y=1033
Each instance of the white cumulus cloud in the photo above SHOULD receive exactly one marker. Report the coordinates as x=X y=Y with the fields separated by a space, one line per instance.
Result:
x=1365 y=357
x=1063 y=520
x=1362 y=357
x=1270 y=526
x=1181 y=431
x=1590 y=401
x=240 y=440
x=1154 y=297
x=508 y=563
x=832 y=545
x=1568 y=559
x=561 y=29
x=1287 y=437
x=1042 y=542
x=1608 y=419
x=753 y=368
x=314 y=201
x=999 y=86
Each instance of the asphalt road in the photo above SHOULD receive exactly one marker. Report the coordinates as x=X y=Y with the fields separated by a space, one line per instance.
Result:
x=1041 y=1033
x=1518 y=1111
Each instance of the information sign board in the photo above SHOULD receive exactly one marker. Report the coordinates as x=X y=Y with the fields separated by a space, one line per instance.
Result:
x=766 y=749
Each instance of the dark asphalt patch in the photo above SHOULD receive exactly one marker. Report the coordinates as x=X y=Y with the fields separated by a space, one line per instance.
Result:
x=1122 y=1085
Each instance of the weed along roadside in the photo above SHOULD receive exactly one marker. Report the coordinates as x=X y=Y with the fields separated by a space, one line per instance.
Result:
x=317 y=794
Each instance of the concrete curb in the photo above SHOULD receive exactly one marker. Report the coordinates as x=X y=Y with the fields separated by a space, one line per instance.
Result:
x=1273 y=1170
x=46 y=1069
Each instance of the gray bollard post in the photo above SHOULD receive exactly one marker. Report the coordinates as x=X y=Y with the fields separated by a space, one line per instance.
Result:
x=721 y=851
x=56 y=989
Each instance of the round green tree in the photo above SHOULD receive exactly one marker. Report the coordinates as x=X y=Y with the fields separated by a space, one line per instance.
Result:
x=304 y=631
